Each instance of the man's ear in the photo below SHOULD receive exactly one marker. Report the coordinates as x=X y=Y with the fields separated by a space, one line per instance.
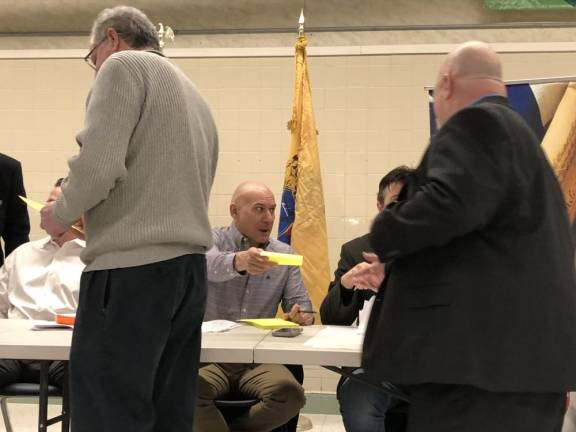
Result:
x=233 y=210
x=112 y=34
x=448 y=85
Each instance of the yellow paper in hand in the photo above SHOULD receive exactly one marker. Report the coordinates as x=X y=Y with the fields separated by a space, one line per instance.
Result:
x=32 y=204
x=269 y=323
x=38 y=206
x=283 y=259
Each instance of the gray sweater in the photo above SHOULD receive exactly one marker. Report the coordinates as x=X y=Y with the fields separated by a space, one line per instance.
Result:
x=148 y=153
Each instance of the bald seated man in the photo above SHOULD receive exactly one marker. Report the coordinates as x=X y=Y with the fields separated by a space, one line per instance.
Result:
x=244 y=284
x=477 y=323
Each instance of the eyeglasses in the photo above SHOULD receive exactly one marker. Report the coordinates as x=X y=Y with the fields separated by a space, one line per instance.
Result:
x=88 y=58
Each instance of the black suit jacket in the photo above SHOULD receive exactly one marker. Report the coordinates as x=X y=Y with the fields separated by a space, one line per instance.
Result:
x=481 y=289
x=14 y=222
x=341 y=305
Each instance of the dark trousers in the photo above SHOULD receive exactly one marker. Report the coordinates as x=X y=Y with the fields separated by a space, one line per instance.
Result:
x=136 y=347
x=28 y=371
x=458 y=408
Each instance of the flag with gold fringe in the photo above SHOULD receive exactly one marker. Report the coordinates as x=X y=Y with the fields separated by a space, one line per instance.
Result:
x=302 y=214
x=560 y=146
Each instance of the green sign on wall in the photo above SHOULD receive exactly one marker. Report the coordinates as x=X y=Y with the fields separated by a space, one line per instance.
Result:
x=530 y=4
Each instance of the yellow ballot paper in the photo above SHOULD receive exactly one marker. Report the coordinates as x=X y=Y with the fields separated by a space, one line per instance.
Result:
x=283 y=259
x=269 y=323
x=32 y=204
x=38 y=206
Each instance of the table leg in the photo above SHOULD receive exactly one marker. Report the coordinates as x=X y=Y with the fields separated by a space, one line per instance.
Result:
x=43 y=404
x=65 y=401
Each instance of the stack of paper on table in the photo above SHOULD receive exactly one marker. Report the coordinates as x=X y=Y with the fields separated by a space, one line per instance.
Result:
x=336 y=337
x=218 y=326
x=269 y=323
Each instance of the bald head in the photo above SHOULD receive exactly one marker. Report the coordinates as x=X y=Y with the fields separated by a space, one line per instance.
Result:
x=252 y=208
x=470 y=72
x=474 y=60
x=247 y=189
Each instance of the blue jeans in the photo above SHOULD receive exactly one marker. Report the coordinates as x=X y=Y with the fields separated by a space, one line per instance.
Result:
x=363 y=407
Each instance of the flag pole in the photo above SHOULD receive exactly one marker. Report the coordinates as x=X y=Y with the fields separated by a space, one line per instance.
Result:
x=301 y=23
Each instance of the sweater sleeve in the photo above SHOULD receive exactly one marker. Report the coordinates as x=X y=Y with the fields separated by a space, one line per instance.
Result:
x=113 y=111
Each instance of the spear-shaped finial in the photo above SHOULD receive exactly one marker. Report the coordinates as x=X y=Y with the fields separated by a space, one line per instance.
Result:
x=301 y=23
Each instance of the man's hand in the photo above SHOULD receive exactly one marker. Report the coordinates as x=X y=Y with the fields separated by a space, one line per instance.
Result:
x=367 y=275
x=296 y=315
x=48 y=222
x=252 y=262
x=347 y=279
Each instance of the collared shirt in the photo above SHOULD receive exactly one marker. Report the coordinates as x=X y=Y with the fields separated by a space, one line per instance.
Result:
x=233 y=296
x=41 y=279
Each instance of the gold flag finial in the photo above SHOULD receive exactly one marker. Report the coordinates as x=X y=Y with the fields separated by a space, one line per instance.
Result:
x=165 y=32
x=301 y=23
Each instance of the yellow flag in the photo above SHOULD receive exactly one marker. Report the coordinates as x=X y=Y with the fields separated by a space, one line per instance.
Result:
x=560 y=146
x=302 y=215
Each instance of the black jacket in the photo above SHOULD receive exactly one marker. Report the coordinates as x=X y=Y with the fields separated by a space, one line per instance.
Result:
x=341 y=305
x=14 y=222
x=481 y=289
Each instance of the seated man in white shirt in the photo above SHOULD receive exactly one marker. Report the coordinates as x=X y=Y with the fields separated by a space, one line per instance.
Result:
x=38 y=280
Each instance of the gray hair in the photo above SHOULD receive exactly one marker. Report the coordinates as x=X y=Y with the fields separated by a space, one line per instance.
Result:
x=131 y=24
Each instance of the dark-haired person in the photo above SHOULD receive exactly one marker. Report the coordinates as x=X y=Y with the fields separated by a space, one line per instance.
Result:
x=14 y=221
x=142 y=178
x=37 y=281
x=363 y=407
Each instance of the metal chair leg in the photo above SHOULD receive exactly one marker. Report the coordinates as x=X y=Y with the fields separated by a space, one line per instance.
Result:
x=5 y=415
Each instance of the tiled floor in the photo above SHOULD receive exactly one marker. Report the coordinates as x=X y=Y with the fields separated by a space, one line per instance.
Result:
x=24 y=417
x=326 y=423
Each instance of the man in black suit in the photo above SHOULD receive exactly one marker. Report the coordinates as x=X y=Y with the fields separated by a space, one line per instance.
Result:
x=478 y=316
x=14 y=222
x=363 y=407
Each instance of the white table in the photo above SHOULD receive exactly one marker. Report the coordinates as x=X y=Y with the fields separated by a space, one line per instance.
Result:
x=17 y=341
x=294 y=351
x=244 y=344
x=234 y=346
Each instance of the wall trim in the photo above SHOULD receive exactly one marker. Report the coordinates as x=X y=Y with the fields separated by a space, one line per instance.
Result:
x=359 y=50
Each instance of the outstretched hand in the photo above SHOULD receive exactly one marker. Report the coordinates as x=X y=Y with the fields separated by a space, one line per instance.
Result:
x=369 y=274
x=252 y=262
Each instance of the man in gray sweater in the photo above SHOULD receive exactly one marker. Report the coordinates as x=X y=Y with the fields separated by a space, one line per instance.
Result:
x=143 y=175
